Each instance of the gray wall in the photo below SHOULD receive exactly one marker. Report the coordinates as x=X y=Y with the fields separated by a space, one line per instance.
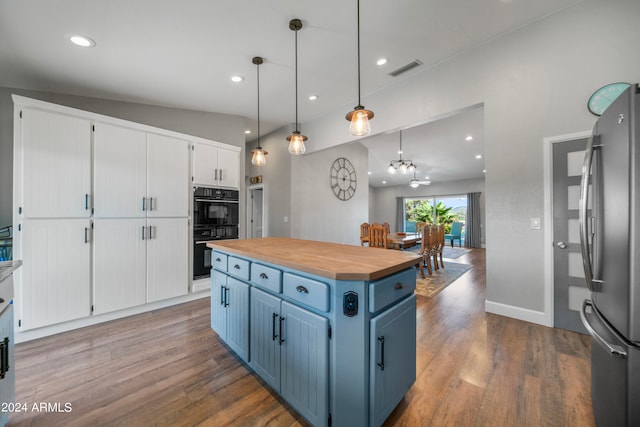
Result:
x=219 y=127
x=383 y=204
x=534 y=83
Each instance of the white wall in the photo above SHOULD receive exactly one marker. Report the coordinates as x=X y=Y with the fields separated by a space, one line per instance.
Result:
x=534 y=83
x=316 y=213
x=383 y=206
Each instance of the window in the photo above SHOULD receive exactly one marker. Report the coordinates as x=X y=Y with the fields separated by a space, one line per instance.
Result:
x=447 y=210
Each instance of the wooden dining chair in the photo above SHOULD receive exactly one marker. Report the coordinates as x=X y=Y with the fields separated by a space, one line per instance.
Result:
x=377 y=236
x=387 y=227
x=364 y=233
x=438 y=245
x=419 y=227
x=425 y=250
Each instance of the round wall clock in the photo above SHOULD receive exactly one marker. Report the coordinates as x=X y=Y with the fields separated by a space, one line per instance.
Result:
x=343 y=179
x=603 y=97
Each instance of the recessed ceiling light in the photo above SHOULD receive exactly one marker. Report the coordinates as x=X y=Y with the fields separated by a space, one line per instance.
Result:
x=247 y=132
x=237 y=79
x=384 y=182
x=478 y=156
x=369 y=172
x=313 y=97
x=468 y=138
x=484 y=171
x=426 y=177
x=380 y=62
x=82 y=41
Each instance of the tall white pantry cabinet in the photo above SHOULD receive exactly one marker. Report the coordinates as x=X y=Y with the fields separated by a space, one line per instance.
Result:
x=101 y=213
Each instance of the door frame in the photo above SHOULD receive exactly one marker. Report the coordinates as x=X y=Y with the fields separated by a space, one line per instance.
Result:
x=249 y=209
x=547 y=149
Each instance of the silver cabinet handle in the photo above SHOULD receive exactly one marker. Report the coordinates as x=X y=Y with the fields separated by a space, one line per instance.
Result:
x=86 y=202
x=143 y=232
x=302 y=289
x=150 y=203
x=614 y=350
x=86 y=234
x=216 y=175
x=561 y=245
x=144 y=203
x=220 y=174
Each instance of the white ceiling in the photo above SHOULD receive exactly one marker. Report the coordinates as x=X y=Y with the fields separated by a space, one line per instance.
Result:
x=182 y=53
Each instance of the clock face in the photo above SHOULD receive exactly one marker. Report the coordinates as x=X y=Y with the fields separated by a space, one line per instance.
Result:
x=343 y=179
x=603 y=97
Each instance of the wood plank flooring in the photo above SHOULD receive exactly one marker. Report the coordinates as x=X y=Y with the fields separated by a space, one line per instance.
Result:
x=168 y=368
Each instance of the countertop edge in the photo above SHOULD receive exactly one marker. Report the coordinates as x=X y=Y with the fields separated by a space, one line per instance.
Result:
x=13 y=265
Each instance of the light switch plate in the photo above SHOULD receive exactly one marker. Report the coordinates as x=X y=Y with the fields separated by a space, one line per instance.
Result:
x=535 y=223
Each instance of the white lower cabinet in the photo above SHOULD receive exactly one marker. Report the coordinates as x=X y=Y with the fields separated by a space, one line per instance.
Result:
x=230 y=312
x=56 y=279
x=290 y=351
x=137 y=261
x=392 y=359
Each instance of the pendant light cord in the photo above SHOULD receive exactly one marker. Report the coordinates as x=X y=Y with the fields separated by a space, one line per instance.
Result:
x=296 y=80
x=258 y=74
x=359 y=103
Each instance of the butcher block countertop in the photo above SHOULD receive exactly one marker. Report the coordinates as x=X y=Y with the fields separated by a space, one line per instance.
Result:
x=331 y=260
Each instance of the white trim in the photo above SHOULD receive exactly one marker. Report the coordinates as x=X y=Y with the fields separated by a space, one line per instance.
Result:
x=515 y=312
x=249 y=207
x=548 y=217
x=101 y=318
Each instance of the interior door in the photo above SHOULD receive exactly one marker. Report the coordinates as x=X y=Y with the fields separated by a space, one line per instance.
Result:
x=568 y=275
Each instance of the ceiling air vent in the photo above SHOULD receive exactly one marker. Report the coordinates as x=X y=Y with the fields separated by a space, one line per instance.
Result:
x=411 y=65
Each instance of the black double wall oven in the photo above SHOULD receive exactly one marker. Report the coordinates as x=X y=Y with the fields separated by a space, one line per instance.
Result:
x=215 y=217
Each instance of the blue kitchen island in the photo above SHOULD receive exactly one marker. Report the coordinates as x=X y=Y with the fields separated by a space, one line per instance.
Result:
x=330 y=327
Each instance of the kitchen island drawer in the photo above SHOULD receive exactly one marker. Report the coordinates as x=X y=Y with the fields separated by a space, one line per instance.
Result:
x=306 y=291
x=238 y=267
x=390 y=289
x=266 y=277
x=219 y=261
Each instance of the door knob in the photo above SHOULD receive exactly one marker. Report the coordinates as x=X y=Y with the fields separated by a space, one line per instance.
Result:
x=561 y=245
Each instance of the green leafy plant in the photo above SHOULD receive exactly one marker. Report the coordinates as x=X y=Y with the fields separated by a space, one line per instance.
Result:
x=420 y=210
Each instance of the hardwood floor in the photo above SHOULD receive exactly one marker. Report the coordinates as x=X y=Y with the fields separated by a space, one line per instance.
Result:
x=168 y=368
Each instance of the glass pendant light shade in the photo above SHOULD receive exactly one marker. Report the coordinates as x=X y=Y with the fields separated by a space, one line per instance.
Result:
x=296 y=143
x=258 y=157
x=411 y=167
x=391 y=168
x=359 y=119
x=403 y=168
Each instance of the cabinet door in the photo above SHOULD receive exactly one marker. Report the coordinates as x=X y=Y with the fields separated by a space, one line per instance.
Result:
x=238 y=318
x=168 y=180
x=228 y=168
x=119 y=264
x=205 y=164
x=8 y=383
x=120 y=172
x=265 y=339
x=56 y=280
x=218 y=308
x=393 y=358
x=167 y=258
x=57 y=165
x=305 y=363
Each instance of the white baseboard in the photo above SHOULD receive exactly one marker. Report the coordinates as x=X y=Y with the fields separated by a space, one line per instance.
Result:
x=100 y=318
x=516 y=312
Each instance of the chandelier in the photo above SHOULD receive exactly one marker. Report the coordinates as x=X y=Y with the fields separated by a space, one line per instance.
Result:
x=402 y=164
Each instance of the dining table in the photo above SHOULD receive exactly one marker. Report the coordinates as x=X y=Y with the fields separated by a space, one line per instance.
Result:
x=402 y=240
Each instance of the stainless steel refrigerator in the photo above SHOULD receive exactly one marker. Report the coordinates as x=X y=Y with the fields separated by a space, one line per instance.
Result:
x=610 y=236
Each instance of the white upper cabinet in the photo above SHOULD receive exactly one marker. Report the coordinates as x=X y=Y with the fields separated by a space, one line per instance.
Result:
x=139 y=174
x=120 y=171
x=56 y=155
x=167 y=176
x=214 y=166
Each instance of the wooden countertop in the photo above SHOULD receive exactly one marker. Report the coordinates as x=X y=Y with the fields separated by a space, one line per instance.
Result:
x=332 y=260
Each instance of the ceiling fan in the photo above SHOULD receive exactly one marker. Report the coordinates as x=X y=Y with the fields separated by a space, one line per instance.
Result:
x=416 y=182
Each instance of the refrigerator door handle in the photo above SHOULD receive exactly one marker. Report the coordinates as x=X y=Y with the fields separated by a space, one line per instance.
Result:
x=582 y=217
x=614 y=350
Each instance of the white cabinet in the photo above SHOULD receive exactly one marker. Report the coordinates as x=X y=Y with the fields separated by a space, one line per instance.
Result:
x=230 y=312
x=215 y=166
x=7 y=360
x=167 y=258
x=56 y=271
x=56 y=165
x=290 y=351
x=138 y=174
x=138 y=261
x=119 y=264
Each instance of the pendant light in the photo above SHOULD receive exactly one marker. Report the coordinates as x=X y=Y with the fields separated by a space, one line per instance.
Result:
x=402 y=164
x=360 y=116
x=258 y=155
x=296 y=139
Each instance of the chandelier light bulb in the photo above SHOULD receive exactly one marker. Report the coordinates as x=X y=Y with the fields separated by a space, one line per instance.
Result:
x=403 y=168
x=411 y=167
x=360 y=123
x=391 y=169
